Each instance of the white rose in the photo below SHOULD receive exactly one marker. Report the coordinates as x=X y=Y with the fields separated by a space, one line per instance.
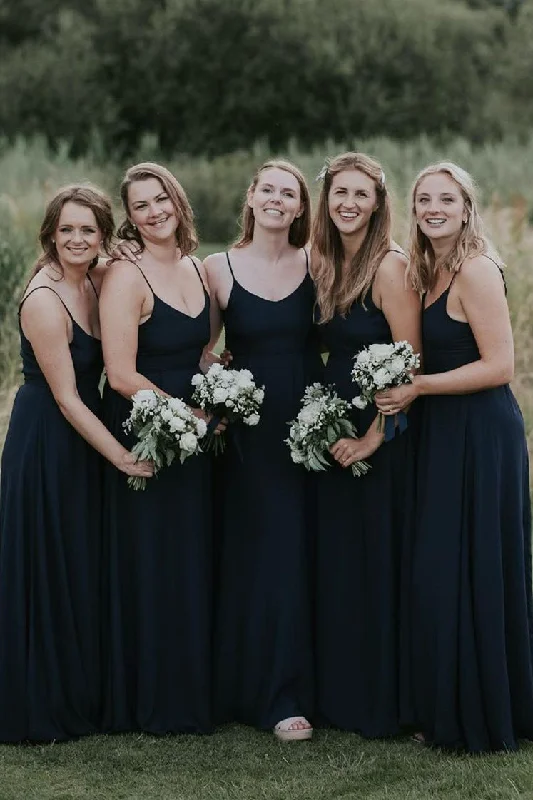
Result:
x=188 y=442
x=359 y=402
x=259 y=395
x=175 y=404
x=363 y=357
x=382 y=377
x=397 y=366
x=197 y=379
x=215 y=369
x=166 y=414
x=297 y=456
x=220 y=395
x=381 y=350
x=176 y=425
x=253 y=419
x=201 y=427
x=146 y=397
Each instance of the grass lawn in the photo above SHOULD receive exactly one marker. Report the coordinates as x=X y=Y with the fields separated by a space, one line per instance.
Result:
x=241 y=764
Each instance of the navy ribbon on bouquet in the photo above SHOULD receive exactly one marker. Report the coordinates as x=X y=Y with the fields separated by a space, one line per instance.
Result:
x=396 y=423
x=232 y=431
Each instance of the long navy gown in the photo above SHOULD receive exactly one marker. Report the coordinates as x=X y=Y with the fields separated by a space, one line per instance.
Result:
x=471 y=610
x=363 y=528
x=263 y=647
x=158 y=556
x=50 y=543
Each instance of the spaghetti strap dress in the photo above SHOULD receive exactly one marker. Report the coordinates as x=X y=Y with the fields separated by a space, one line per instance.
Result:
x=363 y=529
x=158 y=555
x=263 y=659
x=50 y=546
x=471 y=608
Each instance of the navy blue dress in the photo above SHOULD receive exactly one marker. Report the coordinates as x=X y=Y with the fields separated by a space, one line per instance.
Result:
x=471 y=604
x=158 y=556
x=263 y=648
x=50 y=547
x=363 y=525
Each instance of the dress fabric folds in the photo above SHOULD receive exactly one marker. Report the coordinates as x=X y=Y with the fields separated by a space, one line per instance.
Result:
x=263 y=661
x=158 y=557
x=50 y=549
x=363 y=535
x=470 y=601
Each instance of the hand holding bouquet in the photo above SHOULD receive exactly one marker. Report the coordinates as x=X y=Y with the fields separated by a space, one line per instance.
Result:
x=322 y=421
x=165 y=428
x=229 y=393
x=383 y=366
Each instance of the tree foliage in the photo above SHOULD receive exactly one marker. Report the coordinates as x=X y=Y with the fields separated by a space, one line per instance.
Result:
x=209 y=77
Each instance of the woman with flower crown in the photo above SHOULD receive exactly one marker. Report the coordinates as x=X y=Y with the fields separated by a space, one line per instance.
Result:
x=470 y=602
x=262 y=290
x=362 y=299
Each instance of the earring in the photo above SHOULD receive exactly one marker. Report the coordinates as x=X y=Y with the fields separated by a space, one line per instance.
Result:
x=134 y=226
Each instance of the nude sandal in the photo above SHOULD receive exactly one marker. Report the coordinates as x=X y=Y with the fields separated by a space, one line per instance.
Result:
x=285 y=733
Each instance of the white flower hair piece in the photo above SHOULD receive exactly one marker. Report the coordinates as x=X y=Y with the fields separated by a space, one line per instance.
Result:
x=382 y=179
x=323 y=172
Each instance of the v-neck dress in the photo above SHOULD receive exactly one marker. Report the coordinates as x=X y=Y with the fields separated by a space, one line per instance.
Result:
x=471 y=607
x=50 y=549
x=263 y=660
x=158 y=556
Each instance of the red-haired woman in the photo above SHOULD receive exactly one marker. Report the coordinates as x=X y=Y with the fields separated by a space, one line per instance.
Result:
x=50 y=499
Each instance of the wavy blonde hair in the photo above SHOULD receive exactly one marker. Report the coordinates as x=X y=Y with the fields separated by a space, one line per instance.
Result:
x=338 y=289
x=301 y=226
x=472 y=240
x=186 y=236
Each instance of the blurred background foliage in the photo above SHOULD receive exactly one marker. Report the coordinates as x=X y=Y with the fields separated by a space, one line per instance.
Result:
x=213 y=76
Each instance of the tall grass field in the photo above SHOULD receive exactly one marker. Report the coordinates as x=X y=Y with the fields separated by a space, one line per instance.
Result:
x=236 y=763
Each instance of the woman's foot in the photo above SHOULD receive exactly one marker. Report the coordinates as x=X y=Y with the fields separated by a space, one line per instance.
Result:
x=293 y=729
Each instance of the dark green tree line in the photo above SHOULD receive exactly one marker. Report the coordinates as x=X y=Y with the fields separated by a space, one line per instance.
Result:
x=213 y=76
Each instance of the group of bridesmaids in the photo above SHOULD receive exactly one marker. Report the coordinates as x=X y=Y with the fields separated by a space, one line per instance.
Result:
x=240 y=588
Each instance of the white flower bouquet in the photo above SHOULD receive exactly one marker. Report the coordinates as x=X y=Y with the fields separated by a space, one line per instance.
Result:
x=382 y=366
x=230 y=393
x=322 y=421
x=165 y=428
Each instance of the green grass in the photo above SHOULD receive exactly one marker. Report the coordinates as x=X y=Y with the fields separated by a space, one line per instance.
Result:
x=242 y=764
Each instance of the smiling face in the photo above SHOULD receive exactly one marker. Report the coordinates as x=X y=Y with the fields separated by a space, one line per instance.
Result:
x=439 y=207
x=152 y=211
x=276 y=199
x=77 y=236
x=352 y=199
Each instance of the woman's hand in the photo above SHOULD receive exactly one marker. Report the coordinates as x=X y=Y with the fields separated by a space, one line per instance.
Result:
x=347 y=451
x=220 y=428
x=209 y=358
x=125 y=251
x=392 y=401
x=135 y=469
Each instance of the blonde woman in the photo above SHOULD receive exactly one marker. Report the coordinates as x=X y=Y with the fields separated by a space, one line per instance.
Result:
x=262 y=289
x=155 y=325
x=362 y=299
x=471 y=625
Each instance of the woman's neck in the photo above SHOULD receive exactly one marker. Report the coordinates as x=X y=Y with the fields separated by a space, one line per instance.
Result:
x=166 y=254
x=352 y=243
x=270 y=246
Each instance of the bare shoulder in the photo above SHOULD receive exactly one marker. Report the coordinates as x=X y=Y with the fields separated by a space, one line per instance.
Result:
x=122 y=272
x=42 y=311
x=214 y=263
x=393 y=268
x=480 y=273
